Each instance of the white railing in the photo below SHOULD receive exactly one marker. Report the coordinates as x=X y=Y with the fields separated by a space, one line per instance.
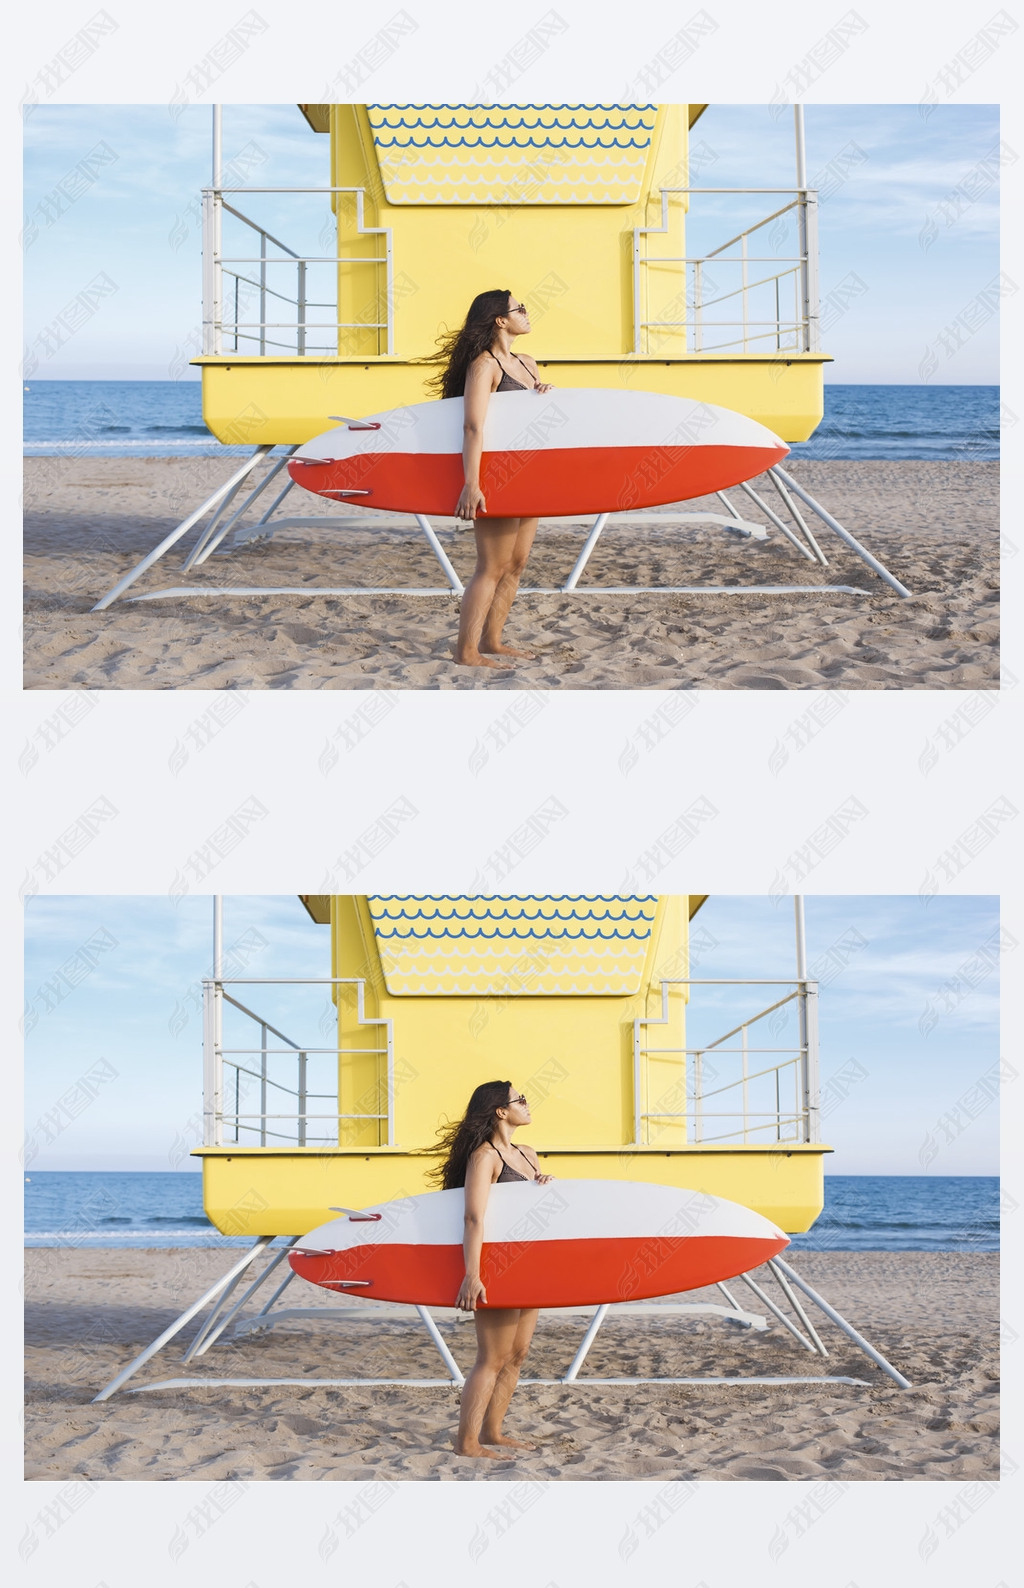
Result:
x=760 y=316
x=233 y=284
x=232 y=1073
x=765 y=1076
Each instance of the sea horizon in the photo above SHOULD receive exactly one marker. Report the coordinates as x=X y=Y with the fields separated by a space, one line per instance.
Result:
x=134 y=1209
x=136 y=417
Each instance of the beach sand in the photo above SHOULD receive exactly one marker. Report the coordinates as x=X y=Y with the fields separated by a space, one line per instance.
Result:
x=933 y=524
x=933 y=1314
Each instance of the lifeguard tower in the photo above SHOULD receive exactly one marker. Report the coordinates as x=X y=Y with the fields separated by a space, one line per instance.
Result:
x=585 y=211
x=582 y=1001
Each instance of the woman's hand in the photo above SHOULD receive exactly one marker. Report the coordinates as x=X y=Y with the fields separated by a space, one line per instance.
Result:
x=543 y=386
x=470 y=1292
x=543 y=1179
x=470 y=502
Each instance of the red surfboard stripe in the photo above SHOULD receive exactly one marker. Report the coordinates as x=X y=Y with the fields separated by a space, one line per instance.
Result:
x=541 y=1273
x=546 y=482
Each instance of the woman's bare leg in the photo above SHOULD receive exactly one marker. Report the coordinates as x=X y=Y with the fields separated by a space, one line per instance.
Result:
x=496 y=1332
x=504 y=1387
x=505 y=594
x=495 y=547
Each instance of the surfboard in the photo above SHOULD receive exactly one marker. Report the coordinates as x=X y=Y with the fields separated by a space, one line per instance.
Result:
x=567 y=1243
x=545 y=454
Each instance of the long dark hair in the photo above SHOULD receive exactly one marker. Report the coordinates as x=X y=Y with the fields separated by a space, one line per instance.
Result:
x=459 y=348
x=476 y=1126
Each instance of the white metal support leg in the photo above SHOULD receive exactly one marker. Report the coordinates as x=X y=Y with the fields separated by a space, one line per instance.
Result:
x=458 y=1377
x=841 y=1323
x=584 y=556
x=176 y=1327
x=587 y=1341
x=794 y=1302
x=798 y=517
x=844 y=534
x=440 y=554
x=766 y=1301
x=208 y=542
x=210 y=1335
x=182 y=529
x=794 y=540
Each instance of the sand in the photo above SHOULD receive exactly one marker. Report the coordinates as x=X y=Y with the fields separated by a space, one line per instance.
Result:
x=934 y=525
x=933 y=1314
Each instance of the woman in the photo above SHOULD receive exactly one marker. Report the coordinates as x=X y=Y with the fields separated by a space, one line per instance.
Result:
x=480 y=361
x=481 y=1153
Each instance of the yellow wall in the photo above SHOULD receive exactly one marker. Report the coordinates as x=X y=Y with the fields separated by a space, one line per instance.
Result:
x=572 y=1056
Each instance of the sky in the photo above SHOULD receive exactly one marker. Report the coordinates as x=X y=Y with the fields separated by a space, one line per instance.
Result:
x=909 y=1018
x=908 y=225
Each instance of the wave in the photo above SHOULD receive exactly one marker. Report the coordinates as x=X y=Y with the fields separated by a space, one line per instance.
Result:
x=186 y=430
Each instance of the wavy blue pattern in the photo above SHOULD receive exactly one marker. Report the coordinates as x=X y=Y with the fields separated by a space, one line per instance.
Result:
x=549 y=898
x=513 y=107
x=495 y=143
x=420 y=125
x=505 y=937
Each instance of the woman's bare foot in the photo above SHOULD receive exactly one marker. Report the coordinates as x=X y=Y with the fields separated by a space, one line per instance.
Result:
x=478 y=1450
x=499 y=1439
x=476 y=660
x=508 y=650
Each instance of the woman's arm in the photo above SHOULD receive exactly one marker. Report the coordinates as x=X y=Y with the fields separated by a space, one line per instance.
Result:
x=479 y=384
x=479 y=1173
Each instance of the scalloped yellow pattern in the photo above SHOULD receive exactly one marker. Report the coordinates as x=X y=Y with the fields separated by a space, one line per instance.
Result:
x=512 y=154
x=581 y=945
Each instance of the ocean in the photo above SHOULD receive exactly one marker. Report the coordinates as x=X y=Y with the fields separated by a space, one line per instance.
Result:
x=150 y=418
x=892 y=1213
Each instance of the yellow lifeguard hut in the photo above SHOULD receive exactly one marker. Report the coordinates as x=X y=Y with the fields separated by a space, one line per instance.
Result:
x=586 y=212
x=580 y=209
x=580 y=1000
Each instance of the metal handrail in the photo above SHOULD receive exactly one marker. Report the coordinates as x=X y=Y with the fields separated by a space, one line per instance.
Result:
x=804 y=270
x=802 y=1060
x=217 y=1056
x=215 y=325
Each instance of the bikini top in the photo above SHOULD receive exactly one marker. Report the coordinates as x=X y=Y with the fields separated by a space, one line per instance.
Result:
x=508 y=384
x=507 y=1171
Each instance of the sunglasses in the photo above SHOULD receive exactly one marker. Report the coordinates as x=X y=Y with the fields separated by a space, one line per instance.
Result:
x=517 y=308
x=513 y=1100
